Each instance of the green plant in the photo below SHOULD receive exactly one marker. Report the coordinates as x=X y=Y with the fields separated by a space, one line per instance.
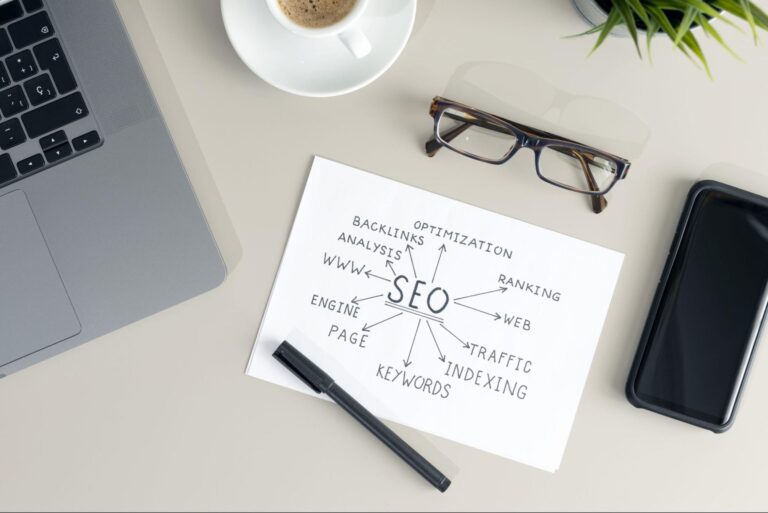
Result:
x=676 y=18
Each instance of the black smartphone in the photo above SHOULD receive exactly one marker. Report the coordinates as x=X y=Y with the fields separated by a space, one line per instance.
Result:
x=698 y=341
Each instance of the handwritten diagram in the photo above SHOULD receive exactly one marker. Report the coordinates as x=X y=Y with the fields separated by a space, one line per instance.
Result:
x=454 y=320
x=419 y=304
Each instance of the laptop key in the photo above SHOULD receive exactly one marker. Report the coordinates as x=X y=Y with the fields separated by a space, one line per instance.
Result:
x=10 y=11
x=54 y=115
x=39 y=89
x=30 y=164
x=32 y=5
x=58 y=153
x=50 y=56
x=5 y=43
x=54 y=139
x=86 y=140
x=7 y=171
x=21 y=65
x=12 y=101
x=11 y=134
x=31 y=30
x=5 y=80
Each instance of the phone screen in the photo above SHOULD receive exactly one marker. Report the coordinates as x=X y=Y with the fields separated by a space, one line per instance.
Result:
x=710 y=312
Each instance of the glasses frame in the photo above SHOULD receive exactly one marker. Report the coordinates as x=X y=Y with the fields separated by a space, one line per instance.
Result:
x=525 y=137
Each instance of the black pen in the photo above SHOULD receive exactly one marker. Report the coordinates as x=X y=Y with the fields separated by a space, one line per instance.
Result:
x=321 y=382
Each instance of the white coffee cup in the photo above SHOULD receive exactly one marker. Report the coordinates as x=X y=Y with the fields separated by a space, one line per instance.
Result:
x=346 y=29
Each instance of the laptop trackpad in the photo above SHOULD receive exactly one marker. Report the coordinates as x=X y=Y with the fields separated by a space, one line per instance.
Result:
x=35 y=310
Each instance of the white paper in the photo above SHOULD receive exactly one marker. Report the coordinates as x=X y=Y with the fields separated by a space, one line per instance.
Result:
x=529 y=303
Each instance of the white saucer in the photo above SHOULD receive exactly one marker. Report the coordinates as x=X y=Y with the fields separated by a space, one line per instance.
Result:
x=316 y=67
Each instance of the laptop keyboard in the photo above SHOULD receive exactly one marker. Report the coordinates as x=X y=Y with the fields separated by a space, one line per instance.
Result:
x=45 y=119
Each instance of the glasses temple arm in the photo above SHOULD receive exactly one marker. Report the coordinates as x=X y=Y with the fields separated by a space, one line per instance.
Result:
x=599 y=203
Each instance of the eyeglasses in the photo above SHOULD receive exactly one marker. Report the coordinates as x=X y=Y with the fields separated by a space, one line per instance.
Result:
x=493 y=139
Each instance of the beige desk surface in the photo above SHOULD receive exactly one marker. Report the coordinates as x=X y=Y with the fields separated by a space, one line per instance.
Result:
x=160 y=415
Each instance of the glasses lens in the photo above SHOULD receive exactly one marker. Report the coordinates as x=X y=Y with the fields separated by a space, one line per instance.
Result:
x=473 y=135
x=576 y=169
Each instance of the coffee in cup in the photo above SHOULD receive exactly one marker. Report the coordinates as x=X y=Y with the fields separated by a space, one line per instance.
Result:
x=324 y=18
x=316 y=13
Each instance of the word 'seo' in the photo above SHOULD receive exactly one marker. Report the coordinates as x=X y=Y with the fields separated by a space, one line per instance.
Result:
x=438 y=315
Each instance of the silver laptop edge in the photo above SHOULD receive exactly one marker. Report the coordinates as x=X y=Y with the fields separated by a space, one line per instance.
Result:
x=121 y=224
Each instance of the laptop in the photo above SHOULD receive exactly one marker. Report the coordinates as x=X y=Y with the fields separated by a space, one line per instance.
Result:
x=99 y=226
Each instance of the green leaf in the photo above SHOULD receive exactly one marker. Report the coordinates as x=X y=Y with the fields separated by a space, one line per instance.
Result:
x=682 y=5
x=706 y=32
x=639 y=9
x=593 y=30
x=654 y=14
x=761 y=18
x=663 y=21
x=613 y=19
x=734 y=8
x=651 y=30
x=690 y=41
x=685 y=25
x=710 y=31
x=701 y=5
x=629 y=20
x=746 y=5
x=667 y=27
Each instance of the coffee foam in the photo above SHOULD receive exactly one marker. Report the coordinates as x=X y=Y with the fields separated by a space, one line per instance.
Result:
x=316 y=13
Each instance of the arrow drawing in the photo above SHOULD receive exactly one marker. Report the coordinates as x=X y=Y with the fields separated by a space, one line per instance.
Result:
x=495 y=315
x=369 y=274
x=368 y=328
x=442 y=250
x=500 y=289
x=464 y=344
x=408 y=361
x=442 y=356
x=408 y=248
x=356 y=301
x=391 y=268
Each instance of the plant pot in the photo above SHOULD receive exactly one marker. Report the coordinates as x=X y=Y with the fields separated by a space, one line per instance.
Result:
x=595 y=12
x=596 y=15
